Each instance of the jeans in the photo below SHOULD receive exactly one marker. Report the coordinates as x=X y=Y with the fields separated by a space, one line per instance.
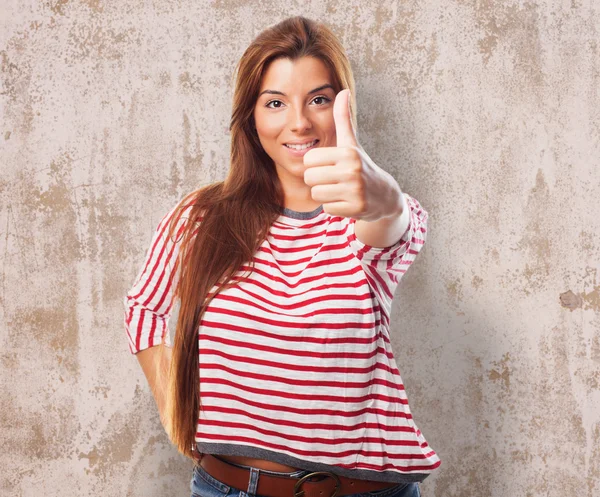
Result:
x=205 y=485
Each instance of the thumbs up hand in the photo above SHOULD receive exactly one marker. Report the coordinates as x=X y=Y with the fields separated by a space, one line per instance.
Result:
x=344 y=178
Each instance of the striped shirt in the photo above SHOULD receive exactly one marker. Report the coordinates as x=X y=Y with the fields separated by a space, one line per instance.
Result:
x=295 y=360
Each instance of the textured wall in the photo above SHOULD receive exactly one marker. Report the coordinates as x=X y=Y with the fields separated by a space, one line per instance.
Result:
x=487 y=112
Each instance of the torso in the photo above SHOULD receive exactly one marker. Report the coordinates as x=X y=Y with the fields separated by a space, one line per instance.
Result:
x=259 y=463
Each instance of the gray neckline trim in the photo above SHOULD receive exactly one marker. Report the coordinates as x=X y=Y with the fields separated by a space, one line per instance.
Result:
x=301 y=215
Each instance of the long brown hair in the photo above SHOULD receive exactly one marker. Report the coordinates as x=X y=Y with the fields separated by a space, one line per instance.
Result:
x=235 y=214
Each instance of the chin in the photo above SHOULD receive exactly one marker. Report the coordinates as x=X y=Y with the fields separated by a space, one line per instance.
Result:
x=295 y=169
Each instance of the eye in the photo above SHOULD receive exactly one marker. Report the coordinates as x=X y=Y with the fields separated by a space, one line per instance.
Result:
x=321 y=97
x=269 y=103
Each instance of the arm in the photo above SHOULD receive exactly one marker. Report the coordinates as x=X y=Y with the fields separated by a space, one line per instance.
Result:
x=155 y=363
x=148 y=307
x=385 y=263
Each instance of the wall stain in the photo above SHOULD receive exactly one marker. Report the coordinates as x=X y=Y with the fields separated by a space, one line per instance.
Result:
x=476 y=282
x=92 y=41
x=36 y=437
x=395 y=25
x=536 y=240
x=116 y=445
x=570 y=301
x=585 y=300
x=591 y=300
x=192 y=163
x=555 y=389
x=501 y=372
x=55 y=328
x=595 y=345
x=454 y=291
x=516 y=29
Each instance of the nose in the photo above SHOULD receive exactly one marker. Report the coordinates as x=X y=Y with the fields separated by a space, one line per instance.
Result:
x=299 y=120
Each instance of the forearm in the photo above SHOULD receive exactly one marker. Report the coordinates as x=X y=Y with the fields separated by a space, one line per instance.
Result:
x=155 y=363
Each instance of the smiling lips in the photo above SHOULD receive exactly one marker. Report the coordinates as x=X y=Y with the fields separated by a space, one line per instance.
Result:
x=300 y=147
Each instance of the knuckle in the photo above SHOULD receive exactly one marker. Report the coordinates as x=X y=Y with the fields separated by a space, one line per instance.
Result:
x=359 y=190
x=354 y=174
x=357 y=172
x=351 y=153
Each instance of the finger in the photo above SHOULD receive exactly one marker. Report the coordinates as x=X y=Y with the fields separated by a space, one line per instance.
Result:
x=341 y=208
x=335 y=192
x=323 y=156
x=343 y=124
x=323 y=175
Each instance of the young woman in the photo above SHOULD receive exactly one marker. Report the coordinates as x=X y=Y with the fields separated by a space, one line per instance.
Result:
x=281 y=379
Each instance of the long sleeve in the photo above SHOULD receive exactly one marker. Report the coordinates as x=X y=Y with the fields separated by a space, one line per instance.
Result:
x=385 y=266
x=149 y=302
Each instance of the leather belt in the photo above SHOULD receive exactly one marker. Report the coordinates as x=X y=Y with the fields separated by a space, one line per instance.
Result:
x=315 y=484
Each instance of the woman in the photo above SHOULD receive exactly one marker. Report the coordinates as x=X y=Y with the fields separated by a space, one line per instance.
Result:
x=281 y=379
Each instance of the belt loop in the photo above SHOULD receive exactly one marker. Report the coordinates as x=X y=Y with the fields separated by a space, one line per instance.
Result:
x=253 y=482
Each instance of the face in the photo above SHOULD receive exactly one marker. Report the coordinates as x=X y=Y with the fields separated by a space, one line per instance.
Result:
x=295 y=105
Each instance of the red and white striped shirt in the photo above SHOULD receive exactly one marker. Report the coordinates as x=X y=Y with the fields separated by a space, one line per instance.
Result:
x=295 y=360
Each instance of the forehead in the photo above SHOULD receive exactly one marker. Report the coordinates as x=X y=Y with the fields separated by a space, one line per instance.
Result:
x=298 y=76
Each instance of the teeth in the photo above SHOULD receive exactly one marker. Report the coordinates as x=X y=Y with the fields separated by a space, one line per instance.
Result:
x=301 y=147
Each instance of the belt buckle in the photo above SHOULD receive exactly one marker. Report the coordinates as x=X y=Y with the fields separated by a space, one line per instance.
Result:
x=300 y=493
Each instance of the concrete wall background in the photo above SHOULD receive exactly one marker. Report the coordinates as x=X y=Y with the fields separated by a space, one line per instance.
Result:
x=487 y=112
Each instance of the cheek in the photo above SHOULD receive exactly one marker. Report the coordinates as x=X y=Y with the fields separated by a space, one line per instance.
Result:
x=266 y=131
x=327 y=126
x=268 y=127
x=329 y=136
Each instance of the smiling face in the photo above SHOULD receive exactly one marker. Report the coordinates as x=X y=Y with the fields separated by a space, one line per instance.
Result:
x=295 y=106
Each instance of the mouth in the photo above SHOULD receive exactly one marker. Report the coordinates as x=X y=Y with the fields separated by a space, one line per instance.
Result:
x=297 y=149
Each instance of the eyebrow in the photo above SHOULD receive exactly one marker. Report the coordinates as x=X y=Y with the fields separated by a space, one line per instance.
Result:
x=275 y=92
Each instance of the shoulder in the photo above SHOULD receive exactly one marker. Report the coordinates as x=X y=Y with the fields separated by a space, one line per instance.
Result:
x=184 y=210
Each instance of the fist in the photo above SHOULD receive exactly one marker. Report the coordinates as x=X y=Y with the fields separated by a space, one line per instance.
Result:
x=344 y=178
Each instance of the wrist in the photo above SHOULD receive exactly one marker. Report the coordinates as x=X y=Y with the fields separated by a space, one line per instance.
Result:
x=397 y=202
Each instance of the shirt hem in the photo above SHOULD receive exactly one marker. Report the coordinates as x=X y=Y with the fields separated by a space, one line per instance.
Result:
x=259 y=453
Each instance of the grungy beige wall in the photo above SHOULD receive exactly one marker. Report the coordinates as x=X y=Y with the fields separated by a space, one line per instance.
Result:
x=486 y=111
